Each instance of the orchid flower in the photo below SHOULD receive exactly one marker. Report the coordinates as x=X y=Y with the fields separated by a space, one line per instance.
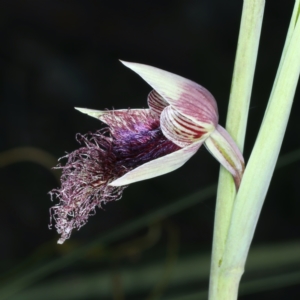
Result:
x=139 y=144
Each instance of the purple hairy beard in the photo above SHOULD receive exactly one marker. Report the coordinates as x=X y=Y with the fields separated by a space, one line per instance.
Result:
x=106 y=155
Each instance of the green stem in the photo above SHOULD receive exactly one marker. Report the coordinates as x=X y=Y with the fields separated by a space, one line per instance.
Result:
x=237 y=116
x=263 y=158
x=250 y=197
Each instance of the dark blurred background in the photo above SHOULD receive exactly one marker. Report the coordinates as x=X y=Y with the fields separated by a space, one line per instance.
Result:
x=56 y=55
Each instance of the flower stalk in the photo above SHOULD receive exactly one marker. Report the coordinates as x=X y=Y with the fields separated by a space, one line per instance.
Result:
x=234 y=227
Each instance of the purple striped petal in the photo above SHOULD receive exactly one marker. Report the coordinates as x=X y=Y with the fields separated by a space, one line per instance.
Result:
x=124 y=121
x=221 y=145
x=181 y=130
x=105 y=115
x=156 y=103
x=119 y=116
x=189 y=98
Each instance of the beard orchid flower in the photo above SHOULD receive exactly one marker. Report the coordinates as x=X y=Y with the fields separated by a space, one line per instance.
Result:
x=139 y=144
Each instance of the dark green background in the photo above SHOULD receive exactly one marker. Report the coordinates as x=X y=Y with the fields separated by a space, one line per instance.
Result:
x=55 y=55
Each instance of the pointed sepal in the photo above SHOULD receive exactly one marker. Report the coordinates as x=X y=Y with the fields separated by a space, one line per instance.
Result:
x=189 y=98
x=91 y=112
x=159 y=166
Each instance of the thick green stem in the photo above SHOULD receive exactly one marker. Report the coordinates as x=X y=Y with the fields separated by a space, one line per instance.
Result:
x=256 y=179
x=251 y=195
